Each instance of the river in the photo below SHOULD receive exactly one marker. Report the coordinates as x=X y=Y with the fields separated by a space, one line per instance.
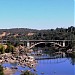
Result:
x=58 y=66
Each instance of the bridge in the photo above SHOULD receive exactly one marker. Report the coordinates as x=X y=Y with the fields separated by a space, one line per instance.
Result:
x=33 y=43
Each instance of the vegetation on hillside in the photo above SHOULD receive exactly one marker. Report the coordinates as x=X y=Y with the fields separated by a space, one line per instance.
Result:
x=49 y=34
x=2 y=49
x=10 y=48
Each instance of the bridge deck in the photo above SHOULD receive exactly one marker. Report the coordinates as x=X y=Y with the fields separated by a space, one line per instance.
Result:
x=40 y=40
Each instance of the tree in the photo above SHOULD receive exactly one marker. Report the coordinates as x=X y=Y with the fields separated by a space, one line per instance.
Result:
x=10 y=48
x=1 y=70
x=27 y=72
x=2 y=49
x=73 y=45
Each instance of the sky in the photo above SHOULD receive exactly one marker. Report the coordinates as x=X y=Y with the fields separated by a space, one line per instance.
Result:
x=36 y=14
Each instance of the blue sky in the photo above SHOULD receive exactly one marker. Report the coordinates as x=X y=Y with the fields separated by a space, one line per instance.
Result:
x=36 y=14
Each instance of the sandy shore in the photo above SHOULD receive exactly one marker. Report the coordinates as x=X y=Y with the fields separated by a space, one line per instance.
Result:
x=8 y=71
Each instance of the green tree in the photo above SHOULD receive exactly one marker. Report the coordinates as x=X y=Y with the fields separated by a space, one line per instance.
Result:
x=27 y=73
x=1 y=70
x=73 y=45
x=10 y=48
x=2 y=49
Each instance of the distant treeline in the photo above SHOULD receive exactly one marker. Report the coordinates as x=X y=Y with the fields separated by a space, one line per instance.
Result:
x=49 y=34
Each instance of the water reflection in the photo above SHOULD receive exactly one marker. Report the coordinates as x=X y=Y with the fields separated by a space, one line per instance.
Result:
x=60 y=65
x=46 y=52
x=72 y=60
x=63 y=68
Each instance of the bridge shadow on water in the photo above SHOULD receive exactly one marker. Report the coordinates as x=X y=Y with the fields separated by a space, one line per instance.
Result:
x=53 y=61
x=51 y=56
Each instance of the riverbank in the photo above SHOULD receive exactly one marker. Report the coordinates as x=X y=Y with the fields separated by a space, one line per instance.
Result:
x=70 y=53
x=21 y=60
x=9 y=71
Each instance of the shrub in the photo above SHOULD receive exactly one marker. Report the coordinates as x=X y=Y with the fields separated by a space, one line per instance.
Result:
x=1 y=70
x=10 y=48
x=27 y=73
x=2 y=49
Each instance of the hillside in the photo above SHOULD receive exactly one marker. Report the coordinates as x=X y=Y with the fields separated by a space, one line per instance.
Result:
x=49 y=34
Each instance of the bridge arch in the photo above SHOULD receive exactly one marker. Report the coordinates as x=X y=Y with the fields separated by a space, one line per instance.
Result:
x=45 y=42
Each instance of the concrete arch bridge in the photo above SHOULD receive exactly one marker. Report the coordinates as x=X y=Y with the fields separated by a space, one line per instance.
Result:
x=32 y=43
x=35 y=44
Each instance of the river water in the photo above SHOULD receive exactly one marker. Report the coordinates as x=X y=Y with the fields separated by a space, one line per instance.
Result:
x=58 y=66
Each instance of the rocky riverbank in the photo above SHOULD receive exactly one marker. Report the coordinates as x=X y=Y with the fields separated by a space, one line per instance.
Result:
x=21 y=60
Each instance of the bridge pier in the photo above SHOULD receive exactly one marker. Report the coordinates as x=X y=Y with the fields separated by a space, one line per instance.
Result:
x=63 y=43
x=28 y=44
